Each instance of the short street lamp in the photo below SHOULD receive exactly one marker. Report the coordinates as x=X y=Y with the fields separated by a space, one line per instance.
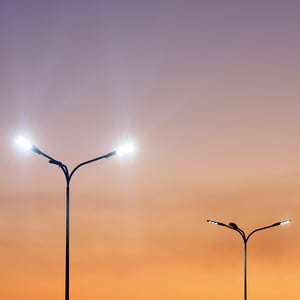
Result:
x=68 y=175
x=245 y=237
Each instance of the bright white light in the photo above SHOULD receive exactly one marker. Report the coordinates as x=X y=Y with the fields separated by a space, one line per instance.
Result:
x=212 y=222
x=24 y=143
x=285 y=222
x=125 y=149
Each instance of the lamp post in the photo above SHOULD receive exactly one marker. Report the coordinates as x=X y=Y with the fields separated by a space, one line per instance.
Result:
x=68 y=176
x=245 y=238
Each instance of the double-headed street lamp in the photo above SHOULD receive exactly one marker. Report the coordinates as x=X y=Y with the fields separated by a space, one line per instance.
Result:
x=245 y=237
x=68 y=175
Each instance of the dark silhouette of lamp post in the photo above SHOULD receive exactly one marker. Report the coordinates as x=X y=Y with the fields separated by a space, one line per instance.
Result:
x=245 y=238
x=68 y=176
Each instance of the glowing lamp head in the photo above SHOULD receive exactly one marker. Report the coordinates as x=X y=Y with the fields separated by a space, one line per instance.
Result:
x=125 y=149
x=212 y=222
x=285 y=222
x=25 y=144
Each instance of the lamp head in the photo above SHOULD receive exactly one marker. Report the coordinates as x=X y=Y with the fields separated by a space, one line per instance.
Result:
x=212 y=222
x=284 y=222
x=216 y=223
x=25 y=144
x=125 y=149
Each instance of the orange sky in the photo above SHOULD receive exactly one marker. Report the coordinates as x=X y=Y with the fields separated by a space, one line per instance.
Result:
x=208 y=91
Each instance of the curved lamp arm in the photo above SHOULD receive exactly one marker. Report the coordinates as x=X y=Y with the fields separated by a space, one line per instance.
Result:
x=266 y=227
x=233 y=226
x=27 y=145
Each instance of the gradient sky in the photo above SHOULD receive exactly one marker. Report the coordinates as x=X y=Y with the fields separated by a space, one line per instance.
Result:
x=208 y=90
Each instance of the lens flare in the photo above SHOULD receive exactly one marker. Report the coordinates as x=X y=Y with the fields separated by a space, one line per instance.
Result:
x=24 y=143
x=125 y=149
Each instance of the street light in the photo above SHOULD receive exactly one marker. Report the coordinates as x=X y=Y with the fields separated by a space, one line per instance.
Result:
x=245 y=237
x=68 y=175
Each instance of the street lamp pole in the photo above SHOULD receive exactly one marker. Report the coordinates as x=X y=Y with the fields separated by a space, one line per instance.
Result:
x=68 y=176
x=245 y=238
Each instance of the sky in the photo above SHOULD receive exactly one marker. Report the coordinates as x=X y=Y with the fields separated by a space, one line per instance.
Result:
x=209 y=93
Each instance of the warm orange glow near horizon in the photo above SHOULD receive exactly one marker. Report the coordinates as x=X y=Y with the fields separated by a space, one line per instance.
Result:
x=210 y=94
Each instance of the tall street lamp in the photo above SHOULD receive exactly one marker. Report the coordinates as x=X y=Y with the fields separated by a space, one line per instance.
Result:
x=245 y=238
x=68 y=175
